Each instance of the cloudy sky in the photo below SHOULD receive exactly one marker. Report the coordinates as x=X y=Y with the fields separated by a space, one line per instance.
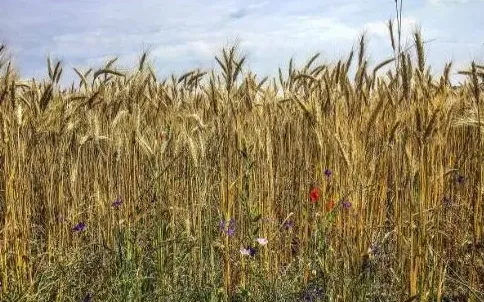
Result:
x=186 y=34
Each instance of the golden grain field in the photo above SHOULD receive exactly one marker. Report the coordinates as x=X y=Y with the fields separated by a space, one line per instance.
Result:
x=338 y=181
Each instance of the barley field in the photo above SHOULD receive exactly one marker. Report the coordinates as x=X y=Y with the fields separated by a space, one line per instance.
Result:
x=342 y=181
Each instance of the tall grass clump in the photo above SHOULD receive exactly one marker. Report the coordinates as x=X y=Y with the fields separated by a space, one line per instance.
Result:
x=318 y=185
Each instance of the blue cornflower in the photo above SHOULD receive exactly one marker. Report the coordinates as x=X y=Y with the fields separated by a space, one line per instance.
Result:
x=460 y=179
x=229 y=228
x=248 y=251
x=328 y=173
x=346 y=204
x=80 y=227
x=230 y=232
x=288 y=224
x=117 y=203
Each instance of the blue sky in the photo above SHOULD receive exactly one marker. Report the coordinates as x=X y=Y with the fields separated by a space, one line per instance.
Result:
x=186 y=34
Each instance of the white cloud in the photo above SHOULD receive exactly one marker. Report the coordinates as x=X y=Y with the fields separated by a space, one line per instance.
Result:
x=380 y=28
x=244 y=11
x=448 y=1
x=188 y=33
x=197 y=48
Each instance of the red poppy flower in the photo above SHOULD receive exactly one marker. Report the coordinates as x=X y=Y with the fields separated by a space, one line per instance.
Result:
x=314 y=195
x=329 y=205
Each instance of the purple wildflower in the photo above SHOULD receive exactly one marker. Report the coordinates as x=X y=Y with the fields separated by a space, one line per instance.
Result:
x=460 y=179
x=229 y=228
x=87 y=298
x=346 y=204
x=328 y=173
x=230 y=232
x=80 y=227
x=288 y=224
x=374 y=249
x=117 y=203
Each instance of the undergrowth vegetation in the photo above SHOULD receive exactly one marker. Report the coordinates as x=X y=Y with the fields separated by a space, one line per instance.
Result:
x=331 y=182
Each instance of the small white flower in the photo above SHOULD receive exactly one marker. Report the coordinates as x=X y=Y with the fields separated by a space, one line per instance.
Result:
x=244 y=252
x=262 y=241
